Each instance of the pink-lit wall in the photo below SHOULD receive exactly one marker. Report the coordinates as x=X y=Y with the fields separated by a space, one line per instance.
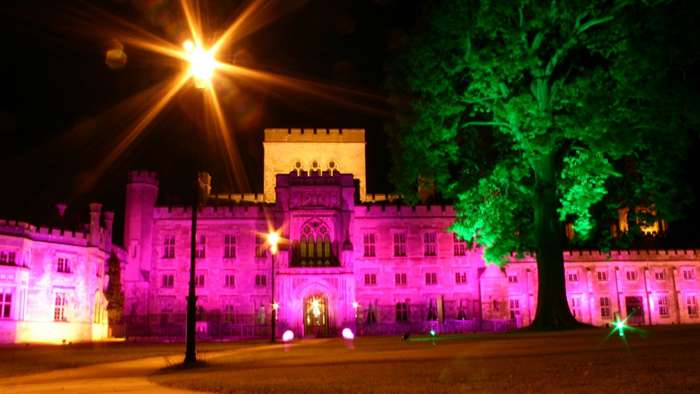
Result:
x=484 y=297
x=33 y=279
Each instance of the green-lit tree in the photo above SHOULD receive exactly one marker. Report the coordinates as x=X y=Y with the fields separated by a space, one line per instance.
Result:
x=525 y=113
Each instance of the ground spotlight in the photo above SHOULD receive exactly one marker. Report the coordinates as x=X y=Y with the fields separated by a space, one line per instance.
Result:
x=348 y=334
x=288 y=336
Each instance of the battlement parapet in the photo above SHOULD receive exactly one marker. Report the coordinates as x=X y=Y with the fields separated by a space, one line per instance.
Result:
x=254 y=198
x=403 y=210
x=641 y=255
x=243 y=211
x=314 y=135
x=143 y=176
x=39 y=233
x=381 y=197
x=314 y=178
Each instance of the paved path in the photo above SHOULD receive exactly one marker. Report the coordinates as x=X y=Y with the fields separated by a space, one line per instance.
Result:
x=123 y=376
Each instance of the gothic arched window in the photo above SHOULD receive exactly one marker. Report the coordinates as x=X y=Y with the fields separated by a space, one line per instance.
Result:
x=315 y=247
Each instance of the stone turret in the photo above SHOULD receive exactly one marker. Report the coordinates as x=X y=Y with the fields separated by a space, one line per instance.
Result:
x=141 y=195
x=109 y=223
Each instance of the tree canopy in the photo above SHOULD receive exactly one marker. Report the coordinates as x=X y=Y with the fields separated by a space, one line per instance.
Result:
x=595 y=97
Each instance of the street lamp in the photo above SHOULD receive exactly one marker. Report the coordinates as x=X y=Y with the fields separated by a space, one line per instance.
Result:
x=273 y=239
x=202 y=188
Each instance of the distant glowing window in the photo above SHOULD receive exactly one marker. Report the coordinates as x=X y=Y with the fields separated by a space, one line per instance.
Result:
x=199 y=280
x=663 y=306
x=400 y=279
x=692 y=304
x=660 y=274
x=602 y=276
x=460 y=245
x=168 y=281
x=514 y=308
x=430 y=278
x=631 y=275
x=200 y=251
x=605 y=307
x=59 y=309
x=63 y=265
x=460 y=278
x=513 y=278
x=402 y=312
x=5 y=303
x=400 y=244
x=169 y=248
x=689 y=274
x=369 y=245
x=230 y=281
x=370 y=279
x=229 y=246
x=430 y=243
x=260 y=280
x=572 y=276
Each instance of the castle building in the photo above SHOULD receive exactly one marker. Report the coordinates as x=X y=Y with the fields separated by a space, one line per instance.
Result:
x=53 y=281
x=360 y=260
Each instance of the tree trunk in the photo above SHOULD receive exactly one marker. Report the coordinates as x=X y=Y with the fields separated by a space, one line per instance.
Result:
x=552 y=307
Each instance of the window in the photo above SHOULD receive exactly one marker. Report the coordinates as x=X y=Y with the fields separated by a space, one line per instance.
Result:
x=460 y=278
x=430 y=278
x=430 y=244
x=169 y=248
x=260 y=280
x=370 y=279
x=63 y=265
x=631 y=275
x=400 y=244
x=168 y=281
x=228 y=314
x=369 y=245
x=201 y=249
x=572 y=276
x=402 y=312
x=460 y=245
x=8 y=258
x=663 y=306
x=575 y=307
x=199 y=280
x=432 y=310
x=400 y=279
x=660 y=274
x=513 y=278
x=229 y=246
x=605 y=307
x=602 y=276
x=260 y=250
x=688 y=274
x=59 y=309
x=229 y=281
x=5 y=304
x=371 y=314
x=692 y=303
x=514 y=308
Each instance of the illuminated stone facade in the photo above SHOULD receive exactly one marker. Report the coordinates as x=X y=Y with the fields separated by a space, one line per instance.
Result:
x=52 y=281
x=366 y=263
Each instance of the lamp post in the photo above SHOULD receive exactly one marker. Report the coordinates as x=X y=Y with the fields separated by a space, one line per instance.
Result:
x=273 y=239
x=202 y=188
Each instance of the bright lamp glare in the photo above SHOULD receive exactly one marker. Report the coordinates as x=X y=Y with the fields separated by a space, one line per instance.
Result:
x=202 y=64
x=287 y=336
x=348 y=334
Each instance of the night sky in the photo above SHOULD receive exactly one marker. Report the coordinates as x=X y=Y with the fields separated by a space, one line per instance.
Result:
x=66 y=109
x=63 y=109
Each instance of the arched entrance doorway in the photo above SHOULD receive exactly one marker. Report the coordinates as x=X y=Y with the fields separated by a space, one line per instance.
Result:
x=316 y=315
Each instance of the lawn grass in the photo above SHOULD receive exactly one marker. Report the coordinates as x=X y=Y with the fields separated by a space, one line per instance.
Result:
x=18 y=360
x=665 y=359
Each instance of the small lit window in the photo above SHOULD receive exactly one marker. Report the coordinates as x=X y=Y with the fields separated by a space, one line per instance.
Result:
x=430 y=278
x=602 y=276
